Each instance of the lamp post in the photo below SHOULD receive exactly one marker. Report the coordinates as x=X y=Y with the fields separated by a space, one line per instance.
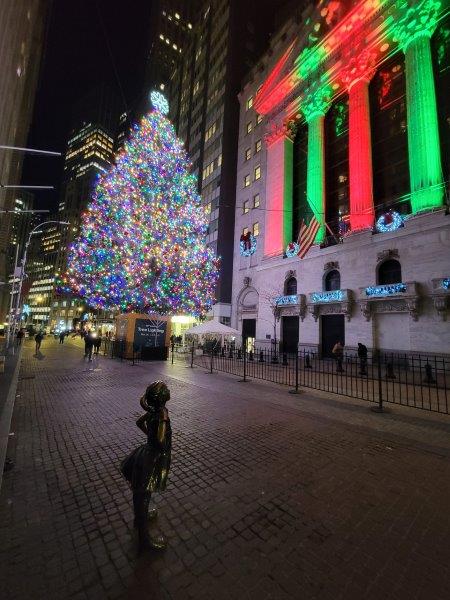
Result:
x=14 y=310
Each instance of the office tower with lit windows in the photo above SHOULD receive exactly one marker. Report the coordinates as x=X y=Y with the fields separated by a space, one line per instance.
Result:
x=171 y=25
x=89 y=152
x=22 y=24
x=227 y=38
x=21 y=219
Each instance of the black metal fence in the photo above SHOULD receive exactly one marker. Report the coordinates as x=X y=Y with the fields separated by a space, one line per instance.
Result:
x=122 y=350
x=419 y=381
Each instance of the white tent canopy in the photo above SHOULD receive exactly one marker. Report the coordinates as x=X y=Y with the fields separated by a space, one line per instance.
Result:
x=213 y=327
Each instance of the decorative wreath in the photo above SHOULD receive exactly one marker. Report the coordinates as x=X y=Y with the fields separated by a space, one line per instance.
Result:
x=247 y=244
x=390 y=221
x=292 y=249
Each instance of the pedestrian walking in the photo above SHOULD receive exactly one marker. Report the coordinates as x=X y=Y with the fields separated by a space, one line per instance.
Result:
x=19 y=336
x=62 y=335
x=338 y=352
x=88 y=345
x=362 y=355
x=97 y=344
x=38 y=339
x=147 y=467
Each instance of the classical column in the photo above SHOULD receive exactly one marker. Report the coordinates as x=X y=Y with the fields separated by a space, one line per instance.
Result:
x=356 y=77
x=413 y=31
x=278 y=222
x=314 y=106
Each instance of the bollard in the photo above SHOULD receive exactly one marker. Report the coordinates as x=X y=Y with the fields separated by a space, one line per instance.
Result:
x=295 y=390
x=390 y=371
x=2 y=364
x=192 y=356
x=173 y=350
x=429 y=374
x=261 y=356
x=244 y=379
x=379 y=408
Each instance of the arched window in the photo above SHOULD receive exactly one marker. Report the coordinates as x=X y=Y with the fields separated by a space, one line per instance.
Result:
x=389 y=272
x=332 y=281
x=290 y=286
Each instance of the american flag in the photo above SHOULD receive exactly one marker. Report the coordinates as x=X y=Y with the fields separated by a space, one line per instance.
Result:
x=307 y=235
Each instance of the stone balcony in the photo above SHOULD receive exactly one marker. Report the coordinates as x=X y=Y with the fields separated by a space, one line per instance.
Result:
x=291 y=305
x=441 y=296
x=392 y=297
x=332 y=302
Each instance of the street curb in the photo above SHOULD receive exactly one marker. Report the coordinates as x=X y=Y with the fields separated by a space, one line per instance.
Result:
x=6 y=416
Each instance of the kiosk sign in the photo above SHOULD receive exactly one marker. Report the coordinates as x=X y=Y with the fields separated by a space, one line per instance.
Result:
x=150 y=333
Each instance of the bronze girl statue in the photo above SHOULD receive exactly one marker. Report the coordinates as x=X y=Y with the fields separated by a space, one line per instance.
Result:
x=147 y=467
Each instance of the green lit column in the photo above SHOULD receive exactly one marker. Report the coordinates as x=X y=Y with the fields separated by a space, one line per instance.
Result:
x=314 y=106
x=413 y=32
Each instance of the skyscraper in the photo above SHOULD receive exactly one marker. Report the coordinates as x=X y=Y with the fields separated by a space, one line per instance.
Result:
x=228 y=36
x=22 y=24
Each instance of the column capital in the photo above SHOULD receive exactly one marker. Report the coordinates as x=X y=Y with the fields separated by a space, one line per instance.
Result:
x=277 y=131
x=360 y=67
x=316 y=101
x=418 y=20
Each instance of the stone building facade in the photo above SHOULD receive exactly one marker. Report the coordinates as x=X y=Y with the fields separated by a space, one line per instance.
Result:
x=346 y=121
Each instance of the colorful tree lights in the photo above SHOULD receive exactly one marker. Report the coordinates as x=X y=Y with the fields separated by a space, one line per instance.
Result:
x=142 y=242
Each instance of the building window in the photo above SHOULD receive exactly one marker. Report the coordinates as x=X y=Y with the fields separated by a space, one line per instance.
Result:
x=290 y=287
x=256 y=201
x=336 y=163
x=389 y=137
x=249 y=127
x=248 y=154
x=389 y=272
x=246 y=207
x=300 y=206
x=257 y=146
x=247 y=181
x=332 y=281
x=440 y=43
x=257 y=172
x=249 y=102
x=258 y=119
x=255 y=229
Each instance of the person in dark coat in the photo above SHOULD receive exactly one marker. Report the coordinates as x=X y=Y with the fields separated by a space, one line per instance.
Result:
x=362 y=355
x=147 y=467
x=38 y=339
x=338 y=353
x=97 y=343
x=88 y=345
x=62 y=335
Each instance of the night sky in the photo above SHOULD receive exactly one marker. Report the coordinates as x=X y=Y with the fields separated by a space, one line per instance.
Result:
x=75 y=58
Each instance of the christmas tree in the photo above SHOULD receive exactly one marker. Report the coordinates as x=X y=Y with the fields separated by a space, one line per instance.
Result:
x=142 y=242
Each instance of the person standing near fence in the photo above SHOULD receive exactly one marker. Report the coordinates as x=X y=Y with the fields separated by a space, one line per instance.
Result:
x=362 y=355
x=338 y=353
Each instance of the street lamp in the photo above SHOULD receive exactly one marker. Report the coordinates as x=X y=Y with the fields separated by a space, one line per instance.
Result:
x=13 y=311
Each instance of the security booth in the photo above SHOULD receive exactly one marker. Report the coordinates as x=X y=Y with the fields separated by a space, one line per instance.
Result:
x=149 y=335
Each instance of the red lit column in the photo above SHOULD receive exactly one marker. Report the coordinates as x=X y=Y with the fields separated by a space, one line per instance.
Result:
x=362 y=212
x=278 y=222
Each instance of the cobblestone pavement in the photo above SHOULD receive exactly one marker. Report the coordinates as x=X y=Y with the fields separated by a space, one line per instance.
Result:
x=270 y=495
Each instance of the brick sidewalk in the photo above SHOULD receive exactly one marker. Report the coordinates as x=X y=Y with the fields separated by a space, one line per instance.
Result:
x=270 y=495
